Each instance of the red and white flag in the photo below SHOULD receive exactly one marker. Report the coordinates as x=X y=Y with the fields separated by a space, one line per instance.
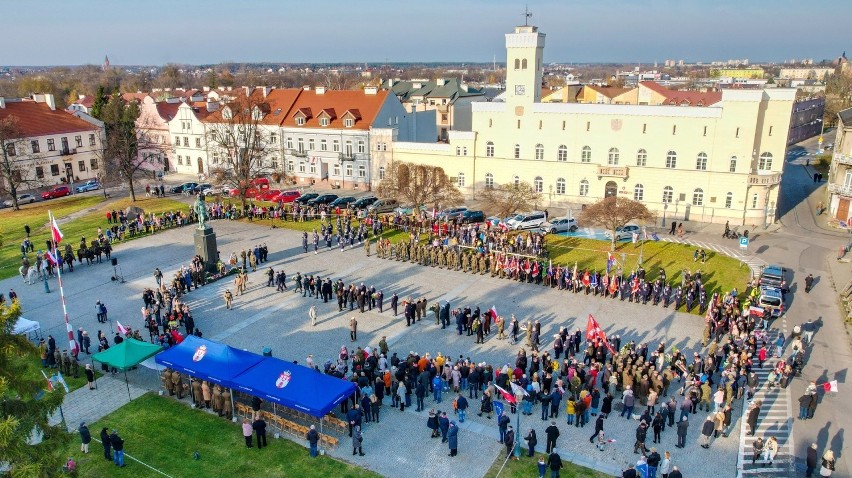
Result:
x=830 y=386
x=493 y=311
x=506 y=395
x=55 y=233
x=49 y=383
x=594 y=331
x=517 y=389
x=122 y=329
x=51 y=258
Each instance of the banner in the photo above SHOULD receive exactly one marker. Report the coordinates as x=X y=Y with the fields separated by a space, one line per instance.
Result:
x=594 y=331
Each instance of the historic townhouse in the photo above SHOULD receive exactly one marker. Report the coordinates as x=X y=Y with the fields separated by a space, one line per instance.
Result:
x=840 y=174
x=686 y=155
x=58 y=147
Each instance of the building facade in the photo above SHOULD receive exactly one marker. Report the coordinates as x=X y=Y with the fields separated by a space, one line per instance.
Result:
x=449 y=97
x=56 y=146
x=715 y=163
x=806 y=120
x=840 y=173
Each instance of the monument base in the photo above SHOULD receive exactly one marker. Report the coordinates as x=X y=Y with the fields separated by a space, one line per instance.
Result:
x=205 y=246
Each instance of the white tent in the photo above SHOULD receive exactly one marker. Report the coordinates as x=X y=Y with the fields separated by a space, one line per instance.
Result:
x=30 y=328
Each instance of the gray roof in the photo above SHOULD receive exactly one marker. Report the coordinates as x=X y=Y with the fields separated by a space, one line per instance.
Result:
x=451 y=89
x=846 y=116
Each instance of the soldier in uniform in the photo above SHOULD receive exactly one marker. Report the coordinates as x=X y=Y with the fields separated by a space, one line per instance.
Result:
x=177 y=384
x=228 y=298
x=167 y=381
x=483 y=266
x=197 y=398
x=66 y=363
x=217 y=399
x=227 y=404
x=205 y=393
x=75 y=366
x=367 y=247
x=464 y=261
x=474 y=264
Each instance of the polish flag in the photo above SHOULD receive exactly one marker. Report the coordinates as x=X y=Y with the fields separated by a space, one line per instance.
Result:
x=121 y=329
x=493 y=311
x=51 y=258
x=506 y=395
x=830 y=386
x=518 y=389
x=54 y=231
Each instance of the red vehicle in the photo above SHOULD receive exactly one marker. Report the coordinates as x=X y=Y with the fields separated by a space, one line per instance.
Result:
x=267 y=195
x=257 y=186
x=57 y=192
x=286 y=196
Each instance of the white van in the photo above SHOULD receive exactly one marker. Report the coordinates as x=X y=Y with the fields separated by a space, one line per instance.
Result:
x=532 y=220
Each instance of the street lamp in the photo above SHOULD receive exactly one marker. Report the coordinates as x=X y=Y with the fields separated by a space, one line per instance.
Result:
x=821 y=132
x=665 y=206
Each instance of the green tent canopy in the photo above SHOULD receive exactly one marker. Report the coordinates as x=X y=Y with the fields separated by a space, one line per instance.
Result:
x=127 y=354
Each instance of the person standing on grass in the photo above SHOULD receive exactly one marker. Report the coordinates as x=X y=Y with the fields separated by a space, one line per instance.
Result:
x=248 y=432
x=259 y=426
x=117 y=445
x=313 y=437
x=85 y=437
x=554 y=461
x=107 y=443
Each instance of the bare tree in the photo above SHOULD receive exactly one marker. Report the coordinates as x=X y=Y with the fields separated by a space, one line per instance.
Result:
x=18 y=159
x=237 y=135
x=613 y=213
x=507 y=199
x=419 y=185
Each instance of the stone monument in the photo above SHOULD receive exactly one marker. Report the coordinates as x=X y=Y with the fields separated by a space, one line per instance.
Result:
x=205 y=238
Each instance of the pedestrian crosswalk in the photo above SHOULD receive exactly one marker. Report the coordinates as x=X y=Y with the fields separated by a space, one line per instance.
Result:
x=775 y=419
x=797 y=153
x=754 y=263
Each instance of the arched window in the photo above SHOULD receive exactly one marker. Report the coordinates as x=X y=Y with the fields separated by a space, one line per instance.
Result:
x=538 y=184
x=765 y=162
x=733 y=166
x=668 y=193
x=381 y=173
x=517 y=151
x=562 y=153
x=489 y=180
x=701 y=162
x=638 y=192
x=539 y=151
x=584 y=188
x=586 y=155
x=516 y=181
x=612 y=158
x=729 y=200
x=560 y=186
x=460 y=180
x=641 y=157
x=698 y=197
x=671 y=160
x=517 y=64
x=489 y=149
x=524 y=64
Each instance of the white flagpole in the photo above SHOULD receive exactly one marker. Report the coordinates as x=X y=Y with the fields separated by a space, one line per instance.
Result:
x=72 y=343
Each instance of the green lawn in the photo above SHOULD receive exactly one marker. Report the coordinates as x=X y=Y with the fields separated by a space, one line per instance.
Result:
x=528 y=467
x=164 y=434
x=86 y=225
x=34 y=368
x=720 y=272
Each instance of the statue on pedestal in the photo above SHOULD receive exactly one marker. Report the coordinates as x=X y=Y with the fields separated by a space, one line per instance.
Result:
x=200 y=209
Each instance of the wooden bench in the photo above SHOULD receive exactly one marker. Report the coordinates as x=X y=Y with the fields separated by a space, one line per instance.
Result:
x=329 y=441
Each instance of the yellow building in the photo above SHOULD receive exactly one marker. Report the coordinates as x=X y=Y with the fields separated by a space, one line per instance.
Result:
x=744 y=73
x=715 y=163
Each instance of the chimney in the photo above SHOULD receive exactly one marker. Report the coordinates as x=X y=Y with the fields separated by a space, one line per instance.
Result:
x=441 y=81
x=417 y=85
x=320 y=90
x=266 y=90
x=371 y=90
x=247 y=89
x=306 y=88
x=390 y=82
x=206 y=88
x=2 y=102
x=212 y=106
x=51 y=103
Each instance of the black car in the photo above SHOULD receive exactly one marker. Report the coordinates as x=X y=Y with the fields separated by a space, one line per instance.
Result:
x=188 y=187
x=468 y=217
x=324 y=199
x=342 y=202
x=304 y=198
x=364 y=202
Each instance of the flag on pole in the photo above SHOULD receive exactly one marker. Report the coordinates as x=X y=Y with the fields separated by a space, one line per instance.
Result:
x=644 y=233
x=493 y=311
x=55 y=233
x=49 y=383
x=498 y=407
x=516 y=389
x=830 y=386
x=550 y=268
x=51 y=258
x=506 y=395
x=594 y=331
x=610 y=261
x=122 y=329
x=61 y=381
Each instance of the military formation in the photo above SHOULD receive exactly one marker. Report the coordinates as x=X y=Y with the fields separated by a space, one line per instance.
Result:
x=215 y=397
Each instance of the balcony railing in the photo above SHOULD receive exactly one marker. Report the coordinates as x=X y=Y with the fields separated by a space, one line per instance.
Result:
x=298 y=153
x=614 y=171
x=67 y=151
x=840 y=189
x=770 y=179
x=842 y=158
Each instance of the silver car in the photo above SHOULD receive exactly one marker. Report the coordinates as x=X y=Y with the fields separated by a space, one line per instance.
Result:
x=559 y=224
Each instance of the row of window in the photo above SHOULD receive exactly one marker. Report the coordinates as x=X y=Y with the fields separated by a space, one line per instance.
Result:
x=614 y=157
x=361 y=146
x=35 y=145
x=305 y=167
x=589 y=124
x=55 y=170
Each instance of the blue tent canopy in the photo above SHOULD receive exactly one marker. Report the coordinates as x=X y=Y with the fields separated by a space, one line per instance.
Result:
x=294 y=386
x=207 y=360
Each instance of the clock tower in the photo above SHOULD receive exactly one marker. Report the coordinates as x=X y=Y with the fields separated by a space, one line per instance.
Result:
x=524 y=54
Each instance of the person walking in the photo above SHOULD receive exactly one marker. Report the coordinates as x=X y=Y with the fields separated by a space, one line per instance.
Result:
x=229 y=298
x=107 y=443
x=757 y=449
x=313 y=438
x=453 y=439
x=118 y=446
x=554 y=462
x=707 y=431
x=357 y=442
x=552 y=433
x=641 y=436
x=248 y=432
x=85 y=437
x=312 y=313
x=599 y=426
x=353 y=329
x=770 y=450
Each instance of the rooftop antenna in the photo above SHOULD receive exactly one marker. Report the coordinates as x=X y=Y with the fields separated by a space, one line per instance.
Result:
x=527 y=15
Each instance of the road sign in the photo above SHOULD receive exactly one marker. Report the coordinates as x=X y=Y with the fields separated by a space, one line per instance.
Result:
x=743 y=242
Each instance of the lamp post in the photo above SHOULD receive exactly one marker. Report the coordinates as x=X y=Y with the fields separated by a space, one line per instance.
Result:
x=665 y=206
x=821 y=132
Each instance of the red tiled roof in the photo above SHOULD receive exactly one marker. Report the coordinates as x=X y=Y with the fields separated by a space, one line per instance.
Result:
x=86 y=100
x=37 y=119
x=166 y=110
x=608 y=91
x=133 y=96
x=275 y=106
x=684 y=98
x=362 y=106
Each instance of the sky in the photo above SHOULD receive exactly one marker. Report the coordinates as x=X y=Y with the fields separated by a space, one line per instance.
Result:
x=156 y=32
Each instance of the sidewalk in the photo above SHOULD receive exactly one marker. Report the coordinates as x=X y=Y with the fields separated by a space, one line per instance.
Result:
x=84 y=405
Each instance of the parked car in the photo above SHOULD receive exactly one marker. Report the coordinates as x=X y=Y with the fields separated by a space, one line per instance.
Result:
x=451 y=213
x=22 y=199
x=469 y=217
x=407 y=209
x=304 y=198
x=773 y=275
x=530 y=220
x=267 y=195
x=323 y=199
x=343 y=202
x=624 y=232
x=382 y=206
x=90 y=185
x=212 y=190
x=201 y=187
x=363 y=202
x=286 y=196
x=57 y=192
x=559 y=224
x=188 y=187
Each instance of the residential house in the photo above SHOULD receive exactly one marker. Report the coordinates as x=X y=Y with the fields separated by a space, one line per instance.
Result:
x=840 y=173
x=450 y=98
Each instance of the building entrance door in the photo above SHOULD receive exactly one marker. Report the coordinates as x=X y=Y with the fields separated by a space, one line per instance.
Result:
x=69 y=173
x=842 y=209
x=200 y=166
x=611 y=189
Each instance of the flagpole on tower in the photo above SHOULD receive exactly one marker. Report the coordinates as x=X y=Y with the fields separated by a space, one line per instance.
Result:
x=56 y=236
